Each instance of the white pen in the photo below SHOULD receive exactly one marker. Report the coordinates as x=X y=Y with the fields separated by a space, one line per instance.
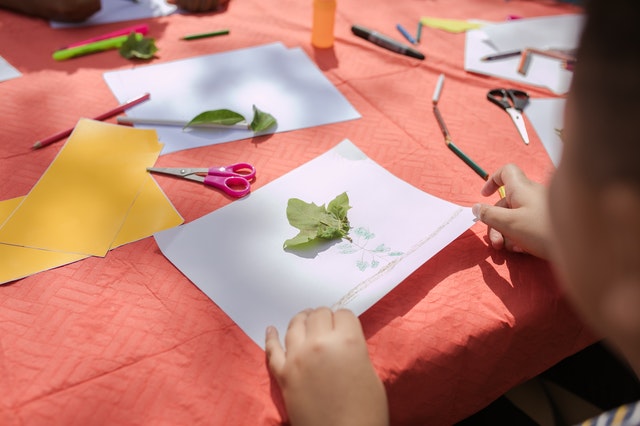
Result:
x=438 y=90
x=178 y=123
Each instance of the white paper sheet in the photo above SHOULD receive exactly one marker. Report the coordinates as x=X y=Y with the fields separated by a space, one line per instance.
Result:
x=122 y=10
x=542 y=71
x=550 y=32
x=547 y=115
x=7 y=71
x=283 y=82
x=235 y=254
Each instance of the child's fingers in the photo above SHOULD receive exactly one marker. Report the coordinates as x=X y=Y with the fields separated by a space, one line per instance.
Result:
x=274 y=351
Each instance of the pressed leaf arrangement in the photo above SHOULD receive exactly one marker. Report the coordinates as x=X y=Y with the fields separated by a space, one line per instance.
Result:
x=317 y=223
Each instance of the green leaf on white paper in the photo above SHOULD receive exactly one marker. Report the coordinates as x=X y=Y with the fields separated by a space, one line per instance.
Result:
x=318 y=222
x=223 y=117
x=261 y=120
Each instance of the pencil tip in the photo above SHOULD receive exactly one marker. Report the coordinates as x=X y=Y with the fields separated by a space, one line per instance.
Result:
x=36 y=145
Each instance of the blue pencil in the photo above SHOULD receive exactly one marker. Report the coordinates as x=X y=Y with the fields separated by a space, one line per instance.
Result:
x=406 y=34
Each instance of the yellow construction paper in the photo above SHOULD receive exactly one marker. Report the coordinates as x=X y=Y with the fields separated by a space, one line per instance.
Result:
x=80 y=203
x=18 y=262
x=450 y=25
x=151 y=212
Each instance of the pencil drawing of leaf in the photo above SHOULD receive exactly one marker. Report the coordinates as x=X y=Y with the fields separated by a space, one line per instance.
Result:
x=364 y=233
x=362 y=265
x=381 y=249
x=318 y=222
x=138 y=46
x=261 y=120
x=367 y=257
x=224 y=117
x=348 y=248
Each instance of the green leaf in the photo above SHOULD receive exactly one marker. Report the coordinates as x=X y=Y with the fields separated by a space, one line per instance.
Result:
x=223 y=117
x=261 y=120
x=339 y=206
x=138 y=46
x=318 y=222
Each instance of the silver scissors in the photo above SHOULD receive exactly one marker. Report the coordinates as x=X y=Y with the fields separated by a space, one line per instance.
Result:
x=513 y=102
x=233 y=180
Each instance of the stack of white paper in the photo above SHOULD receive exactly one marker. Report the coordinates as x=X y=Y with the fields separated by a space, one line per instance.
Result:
x=283 y=82
x=555 y=32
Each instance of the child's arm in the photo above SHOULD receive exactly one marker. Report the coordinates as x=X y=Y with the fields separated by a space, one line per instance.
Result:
x=519 y=221
x=199 y=5
x=62 y=10
x=325 y=374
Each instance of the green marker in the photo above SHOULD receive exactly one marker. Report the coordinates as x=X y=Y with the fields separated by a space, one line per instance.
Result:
x=205 y=35
x=86 y=49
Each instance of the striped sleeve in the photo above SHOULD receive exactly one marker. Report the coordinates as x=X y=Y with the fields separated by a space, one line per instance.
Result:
x=625 y=415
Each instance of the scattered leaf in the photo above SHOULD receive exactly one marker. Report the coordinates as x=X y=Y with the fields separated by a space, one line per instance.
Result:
x=138 y=46
x=318 y=222
x=261 y=120
x=224 y=117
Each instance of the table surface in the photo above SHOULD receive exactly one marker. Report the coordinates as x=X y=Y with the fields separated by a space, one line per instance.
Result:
x=127 y=339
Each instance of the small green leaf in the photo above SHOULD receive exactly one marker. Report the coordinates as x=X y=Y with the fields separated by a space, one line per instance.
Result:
x=223 y=117
x=339 y=206
x=261 y=120
x=138 y=46
x=317 y=222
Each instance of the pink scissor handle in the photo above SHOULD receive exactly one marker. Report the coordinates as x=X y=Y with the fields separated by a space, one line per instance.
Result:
x=235 y=185
x=244 y=170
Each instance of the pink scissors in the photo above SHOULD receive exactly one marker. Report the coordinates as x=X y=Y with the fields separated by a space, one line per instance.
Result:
x=233 y=180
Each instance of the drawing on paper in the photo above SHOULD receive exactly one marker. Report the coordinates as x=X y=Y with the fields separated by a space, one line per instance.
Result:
x=369 y=253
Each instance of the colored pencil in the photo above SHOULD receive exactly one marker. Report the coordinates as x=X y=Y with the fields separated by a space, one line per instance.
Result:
x=205 y=35
x=65 y=133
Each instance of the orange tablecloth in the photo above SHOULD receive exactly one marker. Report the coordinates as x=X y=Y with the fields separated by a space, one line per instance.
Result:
x=127 y=339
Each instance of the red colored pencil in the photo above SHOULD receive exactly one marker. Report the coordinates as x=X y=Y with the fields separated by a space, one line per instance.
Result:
x=65 y=133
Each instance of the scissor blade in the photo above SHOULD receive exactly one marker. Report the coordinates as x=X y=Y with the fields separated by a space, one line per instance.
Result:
x=183 y=172
x=519 y=122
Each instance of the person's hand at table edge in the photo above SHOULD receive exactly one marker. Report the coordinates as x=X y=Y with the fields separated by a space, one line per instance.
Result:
x=518 y=222
x=325 y=374
x=61 y=10
x=199 y=5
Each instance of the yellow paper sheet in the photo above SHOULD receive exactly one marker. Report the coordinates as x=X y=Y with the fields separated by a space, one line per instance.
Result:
x=82 y=200
x=450 y=25
x=151 y=212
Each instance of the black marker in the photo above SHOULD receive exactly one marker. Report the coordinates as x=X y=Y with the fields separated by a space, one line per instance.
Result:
x=503 y=55
x=386 y=42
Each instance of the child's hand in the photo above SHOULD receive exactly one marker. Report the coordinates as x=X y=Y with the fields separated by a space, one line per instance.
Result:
x=199 y=5
x=325 y=374
x=520 y=221
x=61 y=10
